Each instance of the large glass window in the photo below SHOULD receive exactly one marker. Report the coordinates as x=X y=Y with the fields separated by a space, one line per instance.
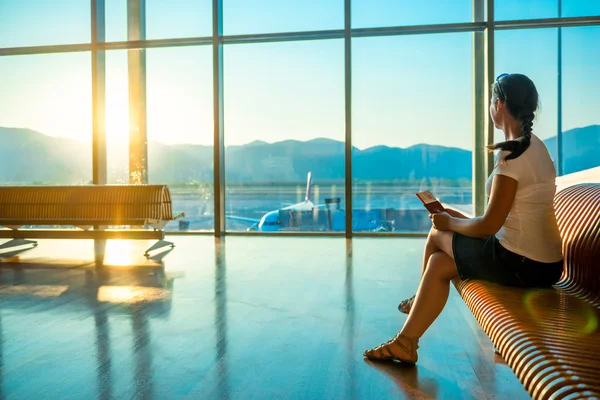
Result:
x=266 y=16
x=580 y=98
x=412 y=119
x=42 y=22
x=284 y=119
x=533 y=52
x=180 y=131
x=46 y=119
x=284 y=105
x=369 y=13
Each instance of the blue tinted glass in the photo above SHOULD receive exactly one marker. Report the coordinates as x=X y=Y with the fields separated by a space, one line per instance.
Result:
x=369 y=13
x=266 y=16
x=42 y=22
x=579 y=8
x=178 y=18
x=164 y=20
x=284 y=118
x=581 y=98
x=533 y=52
x=115 y=21
x=519 y=9
x=412 y=118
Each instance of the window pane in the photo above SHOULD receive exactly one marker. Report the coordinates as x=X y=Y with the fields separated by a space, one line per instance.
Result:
x=581 y=98
x=164 y=19
x=412 y=119
x=115 y=20
x=578 y=8
x=369 y=13
x=539 y=61
x=179 y=120
x=178 y=18
x=267 y=16
x=46 y=119
x=180 y=131
x=117 y=117
x=42 y=22
x=519 y=9
x=284 y=118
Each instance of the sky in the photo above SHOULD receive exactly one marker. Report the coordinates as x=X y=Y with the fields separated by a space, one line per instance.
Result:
x=405 y=89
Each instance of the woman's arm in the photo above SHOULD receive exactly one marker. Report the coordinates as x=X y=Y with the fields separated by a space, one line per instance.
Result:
x=502 y=196
x=454 y=213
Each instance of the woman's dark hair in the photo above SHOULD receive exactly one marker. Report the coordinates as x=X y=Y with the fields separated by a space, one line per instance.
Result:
x=520 y=96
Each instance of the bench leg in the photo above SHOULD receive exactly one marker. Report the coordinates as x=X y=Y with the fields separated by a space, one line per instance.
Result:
x=158 y=245
x=12 y=244
x=99 y=251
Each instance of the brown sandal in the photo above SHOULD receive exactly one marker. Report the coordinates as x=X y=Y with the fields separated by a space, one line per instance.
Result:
x=406 y=305
x=390 y=350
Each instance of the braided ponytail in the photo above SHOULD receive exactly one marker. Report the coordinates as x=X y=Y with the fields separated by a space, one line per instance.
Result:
x=521 y=98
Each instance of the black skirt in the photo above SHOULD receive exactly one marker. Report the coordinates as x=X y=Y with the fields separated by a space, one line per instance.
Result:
x=486 y=259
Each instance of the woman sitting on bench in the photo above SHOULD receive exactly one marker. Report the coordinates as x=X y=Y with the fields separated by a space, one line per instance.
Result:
x=516 y=242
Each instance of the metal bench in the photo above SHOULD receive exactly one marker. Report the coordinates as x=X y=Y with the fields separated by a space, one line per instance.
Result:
x=551 y=337
x=96 y=212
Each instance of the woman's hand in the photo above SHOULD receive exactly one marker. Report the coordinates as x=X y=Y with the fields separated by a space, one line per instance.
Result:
x=454 y=213
x=441 y=221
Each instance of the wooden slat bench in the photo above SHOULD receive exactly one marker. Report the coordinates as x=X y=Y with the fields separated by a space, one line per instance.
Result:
x=551 y=337
x=90 y=209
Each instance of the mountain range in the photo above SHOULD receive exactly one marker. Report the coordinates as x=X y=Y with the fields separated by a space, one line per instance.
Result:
x=28 y=156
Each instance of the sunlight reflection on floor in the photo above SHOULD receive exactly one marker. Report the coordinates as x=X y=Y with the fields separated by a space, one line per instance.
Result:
x=119 y=253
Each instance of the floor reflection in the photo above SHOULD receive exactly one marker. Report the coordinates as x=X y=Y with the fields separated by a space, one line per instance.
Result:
x=350 y=322
x=252 y=318
x=144 y=380
x=406 y=377
x=138 y=292
x=222 y=365
x=103 y=354
x=1 y=358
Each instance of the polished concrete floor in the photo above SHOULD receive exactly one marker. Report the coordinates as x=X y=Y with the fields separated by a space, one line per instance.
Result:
x=241 y=318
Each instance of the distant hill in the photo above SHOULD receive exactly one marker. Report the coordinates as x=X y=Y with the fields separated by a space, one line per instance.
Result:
x=581 y=148
x=28 y=156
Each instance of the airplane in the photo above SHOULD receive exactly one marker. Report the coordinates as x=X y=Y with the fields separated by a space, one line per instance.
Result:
x=305 y=215
x=271 y=222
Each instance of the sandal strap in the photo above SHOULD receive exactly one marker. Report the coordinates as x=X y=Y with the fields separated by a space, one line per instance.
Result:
x=407 y=303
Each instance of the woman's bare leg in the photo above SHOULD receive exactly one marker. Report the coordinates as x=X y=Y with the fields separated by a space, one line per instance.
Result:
x=433 y=289
x=430 y=299
x=430 y=248
x=435 y=241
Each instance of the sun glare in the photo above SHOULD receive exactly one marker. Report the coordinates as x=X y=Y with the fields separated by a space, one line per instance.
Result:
x=119 y=253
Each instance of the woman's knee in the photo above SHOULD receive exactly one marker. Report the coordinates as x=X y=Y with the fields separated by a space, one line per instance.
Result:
x=432 y=236
x=442 y=266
